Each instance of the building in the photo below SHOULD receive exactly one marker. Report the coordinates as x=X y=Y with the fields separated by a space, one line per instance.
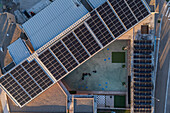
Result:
x=64 y=39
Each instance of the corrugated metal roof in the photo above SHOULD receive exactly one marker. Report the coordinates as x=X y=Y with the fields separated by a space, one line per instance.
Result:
x=18 y=51
x=96 y=3
x=51 y=21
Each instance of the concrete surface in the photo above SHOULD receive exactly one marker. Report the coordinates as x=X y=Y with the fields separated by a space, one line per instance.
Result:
x=83 y=105
x=52 y=100
x=109 y=76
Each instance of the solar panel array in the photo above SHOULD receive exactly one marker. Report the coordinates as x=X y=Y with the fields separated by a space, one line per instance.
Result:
x=142 y=70
x=123 y=12
x=25 y=82
x=75 y=47
x=87 y=39
x=64 y=56
x=110 y=19
x=138 y=8
x=15 y=90
x=99 y=29
x=107 y=22
x=52 y=64
x=37 y=74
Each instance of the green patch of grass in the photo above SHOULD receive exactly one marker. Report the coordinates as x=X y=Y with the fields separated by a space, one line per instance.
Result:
x=118 y=57
x=119 y=101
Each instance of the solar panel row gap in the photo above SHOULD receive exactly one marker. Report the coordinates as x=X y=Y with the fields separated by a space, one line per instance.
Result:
x=87 y=39
x=32 y=77
x=81 y=44
x=138 y=8
x=46 y=70
x=22 y=77
x=94 y=36
x=38 y=74
x=95 y=15
x=99 y=29
x=15 y=89
x=52 y=64
x=64 y=56
x=130 y=10
x=75 y=47
x=110 y=19
x=117 y=15
x=123 y=12
x=70 y=52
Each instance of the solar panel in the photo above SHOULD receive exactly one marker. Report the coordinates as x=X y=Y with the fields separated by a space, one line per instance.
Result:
x=26 y=81
x=64 y=56
x=137 y=84
x=143 y=66
x=143 y=61
x=14 y=89
x=87 y=39
x=37 y=74
x=143 y=47
x=143 y=52
x=123 y=12
x=142 y=74
x=142 y=56
x=75 y=47
x=52 y=64
x=138 y=9
x=110 y=19
x=99 y=29
x=143 y=42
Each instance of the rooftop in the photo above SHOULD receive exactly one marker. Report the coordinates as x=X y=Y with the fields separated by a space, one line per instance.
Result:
x=53 y=100
x=96 y=3
x=83 y=105
x=108 y=77
x=52 y=20
x=18 y=51
x=53 y=63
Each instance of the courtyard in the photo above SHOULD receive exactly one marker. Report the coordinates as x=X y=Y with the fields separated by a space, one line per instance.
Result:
x=100 y=73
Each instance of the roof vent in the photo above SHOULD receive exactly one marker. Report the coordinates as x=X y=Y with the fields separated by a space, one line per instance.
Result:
x=77 y=2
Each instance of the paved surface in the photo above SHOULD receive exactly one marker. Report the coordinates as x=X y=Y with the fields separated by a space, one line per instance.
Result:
x=53 y=100
x=163 y=67
x=83 y=105
x=109 y=76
